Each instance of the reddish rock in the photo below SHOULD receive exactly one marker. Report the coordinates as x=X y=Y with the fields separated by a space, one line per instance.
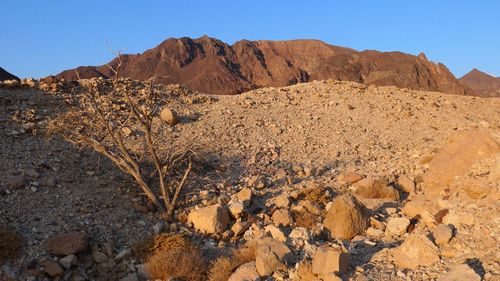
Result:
x=68 y=244
x=52 y=268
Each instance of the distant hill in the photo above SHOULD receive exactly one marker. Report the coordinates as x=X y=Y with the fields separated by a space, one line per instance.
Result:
x=482 y=84
x=4 y=75
x=212 y=66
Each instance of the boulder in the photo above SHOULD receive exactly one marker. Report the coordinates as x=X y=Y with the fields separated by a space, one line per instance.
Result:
x=462 y=150
x=371 y=188
x=415 y=251
x=212 y=219
x=397 y=226
x=461 y=272
x=328 y=259
x=246 y=272
x=168 y=116
x=346 y=218
x=68 y=244
x=270 y=256
x=442 y=234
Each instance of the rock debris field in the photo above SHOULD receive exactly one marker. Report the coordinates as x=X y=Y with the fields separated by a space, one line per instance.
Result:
x=325 y=181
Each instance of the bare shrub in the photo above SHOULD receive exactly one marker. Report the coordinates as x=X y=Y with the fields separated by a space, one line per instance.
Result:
x=185 y=262
x=10 y=245
x=120 y=119
x=224 y=266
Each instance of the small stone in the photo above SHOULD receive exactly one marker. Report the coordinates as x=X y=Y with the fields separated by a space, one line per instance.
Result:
x=442 y=234
x=68 y=244
x=212 y=219
x=461 y=272
x=256 y=181
x=397 y=226
x=32 y=173
x=124 y=254
x=275 y=232
x=406 y=184
x=349 y=177
x=415 y=251
x=158 y=228
x=281 y=217
x=99 y=257
x=51 y=182
x=16 y=182
x=245 y=195
x=52 y=268
x=33 y=189
x=126 y=131
x=168 y=116
x=281 y=201
x=328 y=259
x=374 y=232
x=236 y=209
x=68 y=261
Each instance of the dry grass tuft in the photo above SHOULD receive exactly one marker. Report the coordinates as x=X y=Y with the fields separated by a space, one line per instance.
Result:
x=10 y=245
x=304 y=219
x=223 y=267
x=175 y=257
x=316 y=194
x=159 y=243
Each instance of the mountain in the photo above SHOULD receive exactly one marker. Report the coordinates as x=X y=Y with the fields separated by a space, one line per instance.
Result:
x=212 y=66
x=483 y=85
x=4 y=75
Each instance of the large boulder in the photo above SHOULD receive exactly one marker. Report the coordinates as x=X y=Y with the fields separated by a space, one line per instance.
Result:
x=245 y=272
x=212 y=219
x=415 y=251
x=346 y=218
x=68 y=244
x=328 y=260
x=270 y=255
x=462 y=150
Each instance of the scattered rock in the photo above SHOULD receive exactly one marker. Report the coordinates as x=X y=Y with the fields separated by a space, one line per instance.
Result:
x=236 y=208
x=168 y=116
x=245 y=196
x=349 y=177
x=461 y=272
x=212 y=219
x=67 y=244
x=442 y=234
x=68 y=261
x=16 y=181
x=346 y=218
x=415 y=251
x=370 y=188
x=52 y=268
x=246 y=272
x=99 y=257
x=397 y=226
x=240 y=227
x=281 y=217
x=270 y=256
x=328 y=259
x=275 y=232
x=406 y=184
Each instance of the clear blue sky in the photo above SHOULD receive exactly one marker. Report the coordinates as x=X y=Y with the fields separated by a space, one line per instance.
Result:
x=39 y=38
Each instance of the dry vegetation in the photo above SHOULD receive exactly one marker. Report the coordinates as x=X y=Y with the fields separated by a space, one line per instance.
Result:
x=224 y=266
x=10 y=245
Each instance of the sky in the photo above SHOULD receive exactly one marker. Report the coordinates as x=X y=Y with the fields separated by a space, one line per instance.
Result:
x=41 y=38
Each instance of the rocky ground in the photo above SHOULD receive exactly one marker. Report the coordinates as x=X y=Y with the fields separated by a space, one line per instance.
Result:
x=337 y=180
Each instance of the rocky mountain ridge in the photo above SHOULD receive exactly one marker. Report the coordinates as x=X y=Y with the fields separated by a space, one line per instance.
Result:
x=209 y=65
x=483 y=84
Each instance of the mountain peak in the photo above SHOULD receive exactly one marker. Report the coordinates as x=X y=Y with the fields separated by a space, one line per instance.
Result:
x=483 y=84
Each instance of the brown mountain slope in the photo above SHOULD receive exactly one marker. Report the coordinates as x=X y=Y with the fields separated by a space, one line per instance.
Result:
x=482 y=84
x=212 y=66
x=4 y=75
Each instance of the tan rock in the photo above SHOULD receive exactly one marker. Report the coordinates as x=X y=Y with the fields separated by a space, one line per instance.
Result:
x=68 y=244
x=52 y=268
x=168 y=116
x=349 y=177
x=270 y=256
x=281 y=217
x=245 y=195
x=245 y=272
x=416 y=250
x=240 y=227
x=371 y=188
x=275 y=232
x=346 y=218
x=462 y=150
x=406 y=183
x=236 y=209
x=442 y=234
x=99 y=257
x=328 y=259
x=212 y=219
x=397 y=226
x=461 y=272
x=476 y=189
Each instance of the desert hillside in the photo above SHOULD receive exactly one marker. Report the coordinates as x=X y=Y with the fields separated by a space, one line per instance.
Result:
x=325 y=180
x=209 y=65
x=484 y=85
